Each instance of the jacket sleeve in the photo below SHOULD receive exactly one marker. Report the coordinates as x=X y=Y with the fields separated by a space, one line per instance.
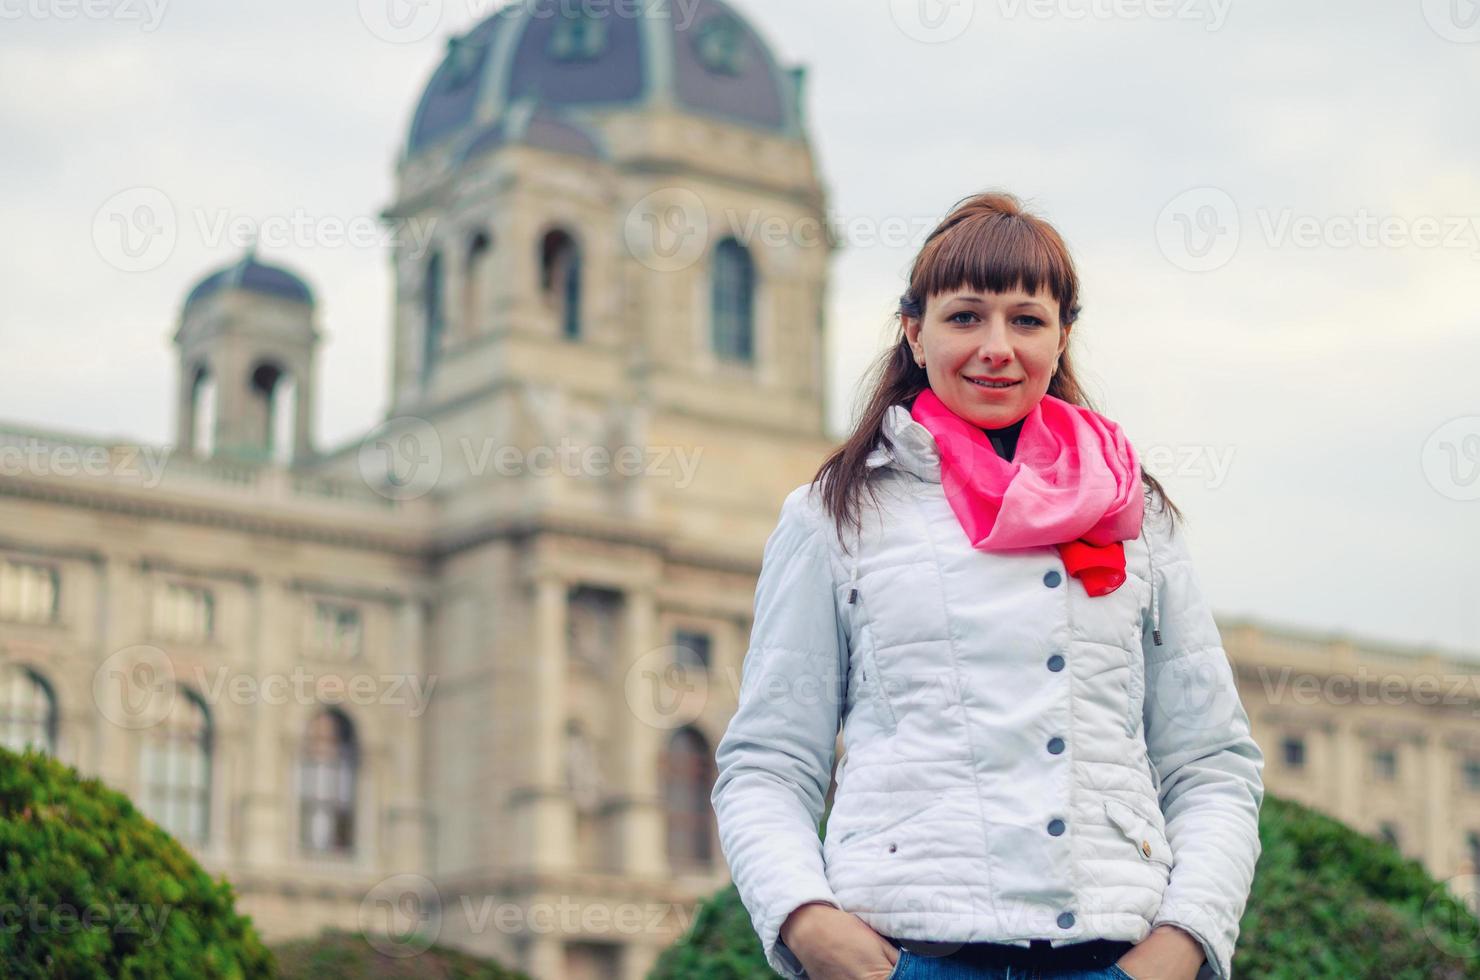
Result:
x=775 y=759
x=1210 y=769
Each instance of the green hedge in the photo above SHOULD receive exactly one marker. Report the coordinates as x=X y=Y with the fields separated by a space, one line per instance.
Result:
x=1327 y=902
x=90 y=888
x=338 y=955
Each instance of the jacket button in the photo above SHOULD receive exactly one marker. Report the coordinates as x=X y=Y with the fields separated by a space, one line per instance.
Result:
x=1146 y=847
x=1055 y=745
x=1056 y=662
x=1056 y=826
x=1066 y=920
x=1052 y=579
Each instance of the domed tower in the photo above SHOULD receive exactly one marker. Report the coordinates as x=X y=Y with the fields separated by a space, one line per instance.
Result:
x=246 y=344
x=611 y=204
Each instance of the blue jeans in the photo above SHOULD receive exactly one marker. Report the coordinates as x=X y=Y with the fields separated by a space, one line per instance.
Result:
x=1093 y=960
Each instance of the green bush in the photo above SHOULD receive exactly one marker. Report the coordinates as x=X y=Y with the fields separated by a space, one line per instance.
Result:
x=90 y=888
x=338 y=955
x=1327 y=902
x=1331 y=902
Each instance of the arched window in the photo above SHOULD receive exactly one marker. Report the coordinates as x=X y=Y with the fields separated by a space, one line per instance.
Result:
x=688 y=779
x=433 y=320
x=560 y=280
x=328 y=770
x=28 y=712
x=202 y=411
x=732 y=302
x=177 y=769
x=277 y=407
x=476 y=287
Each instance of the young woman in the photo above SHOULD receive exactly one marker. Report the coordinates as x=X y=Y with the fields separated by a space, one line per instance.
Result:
x=1047 y=771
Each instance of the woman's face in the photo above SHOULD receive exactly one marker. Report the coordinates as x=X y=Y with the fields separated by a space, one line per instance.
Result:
x=965 y=338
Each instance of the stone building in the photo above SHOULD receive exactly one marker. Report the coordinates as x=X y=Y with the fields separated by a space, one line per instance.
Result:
x=423 y=679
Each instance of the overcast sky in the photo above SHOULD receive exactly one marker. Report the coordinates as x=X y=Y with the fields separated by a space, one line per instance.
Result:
x=1275 y=210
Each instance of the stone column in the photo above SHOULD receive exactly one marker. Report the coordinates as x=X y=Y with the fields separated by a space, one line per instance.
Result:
x=544 y=812
x=1438 y=822
x=404 y=797
x=639 y=740
x=264 y=824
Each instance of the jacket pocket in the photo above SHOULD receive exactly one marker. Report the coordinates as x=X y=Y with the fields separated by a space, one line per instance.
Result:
x=1150 y=842
x=873 y=679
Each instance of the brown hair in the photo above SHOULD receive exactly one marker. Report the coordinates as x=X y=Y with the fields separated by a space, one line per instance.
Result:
x=987 y=243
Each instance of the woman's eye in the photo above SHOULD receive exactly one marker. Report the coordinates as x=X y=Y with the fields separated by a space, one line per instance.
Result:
x=957 y=317
x=1031 y=319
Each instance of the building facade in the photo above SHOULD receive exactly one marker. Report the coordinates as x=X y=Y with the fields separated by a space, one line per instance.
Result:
x=462 y=678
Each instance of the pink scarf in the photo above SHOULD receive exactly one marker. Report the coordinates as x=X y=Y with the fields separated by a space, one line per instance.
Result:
x=1074 y=482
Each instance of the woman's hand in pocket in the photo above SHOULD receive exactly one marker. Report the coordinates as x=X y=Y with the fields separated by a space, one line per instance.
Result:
x=837 y=945
x=1169 y=953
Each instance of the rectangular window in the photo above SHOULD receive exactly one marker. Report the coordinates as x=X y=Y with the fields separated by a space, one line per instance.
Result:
x=1472 y=773
x=1294 y=749
x=336 y=629
x=694 y=647
x=1385 y=764
x=184 y=612
x=28 y=591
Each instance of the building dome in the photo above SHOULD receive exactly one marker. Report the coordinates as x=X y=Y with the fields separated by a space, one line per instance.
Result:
x=694 y=55
x=254 y=277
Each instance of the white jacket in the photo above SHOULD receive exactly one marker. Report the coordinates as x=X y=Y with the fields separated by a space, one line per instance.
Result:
x=1021 y=760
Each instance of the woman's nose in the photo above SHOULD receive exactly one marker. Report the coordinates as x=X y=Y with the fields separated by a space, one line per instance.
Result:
x=994 y=345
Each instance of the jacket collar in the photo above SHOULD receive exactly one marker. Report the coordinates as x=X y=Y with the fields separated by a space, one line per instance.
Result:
x=907 y=445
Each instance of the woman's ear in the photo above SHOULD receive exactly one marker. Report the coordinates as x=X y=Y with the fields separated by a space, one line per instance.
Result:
x=911 y=328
